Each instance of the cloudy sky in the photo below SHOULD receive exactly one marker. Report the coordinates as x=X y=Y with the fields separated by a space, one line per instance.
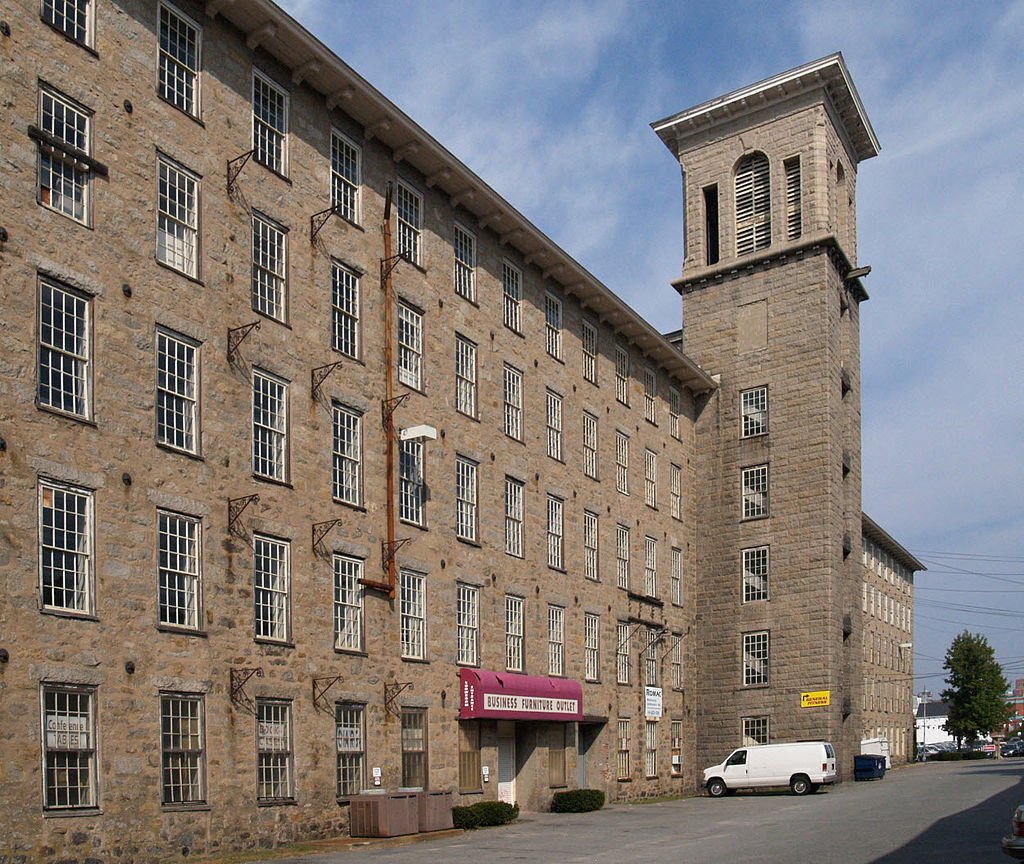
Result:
x=550 y=102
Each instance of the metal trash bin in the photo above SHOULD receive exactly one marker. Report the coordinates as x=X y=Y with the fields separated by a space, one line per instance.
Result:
x=388 y=815
x=435 y=811
x=868 y=766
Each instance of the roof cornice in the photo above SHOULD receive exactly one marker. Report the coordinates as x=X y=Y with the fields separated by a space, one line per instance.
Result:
x=268 y=27
x=829 y=74
x=874 y=531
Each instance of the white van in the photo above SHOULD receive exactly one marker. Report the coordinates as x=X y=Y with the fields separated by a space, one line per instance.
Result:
x=803 y=767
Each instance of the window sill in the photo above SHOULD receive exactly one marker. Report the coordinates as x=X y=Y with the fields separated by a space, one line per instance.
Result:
x=518 y=333
x=87 y=48
x=644 y=598
x=198 y=807
x=169 y=448
x=76 y=418
x=754 y=518
x=266 y=316
x=414 y=525
x=591 y=680
x=181 y=631
x=276 y=802
x=195 y=279
x=465 y=541
x=68 y=216
x=70 y=613
x=359 y=508
x=472 y=301
x=472 y=417
x=72 y=814
x=349 y=357
x=351 y=652
x=421 y=661
x=272 y=481
x=273 y=171
x=273 y=643
x=471 y=791
x=181 y=110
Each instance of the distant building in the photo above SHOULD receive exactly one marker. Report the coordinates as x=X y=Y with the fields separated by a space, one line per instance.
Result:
x=324 y=469
x=1015 y=702
x=931 y=722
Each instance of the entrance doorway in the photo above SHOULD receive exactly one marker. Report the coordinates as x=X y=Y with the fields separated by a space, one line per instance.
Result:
x=506 y=763
x=585 y=738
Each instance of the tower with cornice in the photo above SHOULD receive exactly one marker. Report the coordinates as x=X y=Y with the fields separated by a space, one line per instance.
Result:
x=771 y=292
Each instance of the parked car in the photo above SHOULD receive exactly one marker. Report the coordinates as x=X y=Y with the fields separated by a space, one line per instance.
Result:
x=802 y=766
x=1012 y=748
x=986 y=747
x=1014 y=844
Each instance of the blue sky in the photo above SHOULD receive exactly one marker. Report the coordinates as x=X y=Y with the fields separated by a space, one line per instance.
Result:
x=550 y=102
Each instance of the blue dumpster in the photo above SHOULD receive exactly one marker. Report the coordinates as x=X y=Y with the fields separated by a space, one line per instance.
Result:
x=868 y=766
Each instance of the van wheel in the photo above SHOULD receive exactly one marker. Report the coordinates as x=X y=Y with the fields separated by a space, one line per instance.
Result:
x=717 y=788
x=800 y=785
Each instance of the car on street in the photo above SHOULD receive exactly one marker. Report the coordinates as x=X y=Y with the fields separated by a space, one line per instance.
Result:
x=1012 y=748
x=1014 y=844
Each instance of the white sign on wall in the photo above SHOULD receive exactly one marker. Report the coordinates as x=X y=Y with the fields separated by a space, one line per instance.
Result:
x=652 y=702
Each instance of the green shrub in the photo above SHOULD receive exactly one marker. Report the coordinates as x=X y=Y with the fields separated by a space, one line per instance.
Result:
x=484 y=813
x=577 y=801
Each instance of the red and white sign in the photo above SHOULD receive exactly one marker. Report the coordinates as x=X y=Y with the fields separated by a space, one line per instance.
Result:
x=507 y=696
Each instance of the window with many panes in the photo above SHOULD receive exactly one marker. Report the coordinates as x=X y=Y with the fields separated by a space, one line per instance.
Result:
x=675 y=490
x=414 y=748
x=275 y=770
x=622 y=757
x=556 y=533
x=69 y=747
x=177 y=391
x=269 y=426
x=650 y=478
x=676 y=576
x=465 y=376
x=269 y=248
x=179 y=573
x=271 y=581
x=514 y=633
x=467 y=624
x=409 y=207
x=754 y=731
x=350 y=741
x=588 y=339
x=346 y=167
x=65 y=350
x=676 y=730
x=470 y=762
x=346 y=454
x=556 y=640
x=650 y=395
x=591 y=647
x=553 y=403
x=651 y=750
x=650 y=567
x=755 y=574
x=65 y=134
x=179 y=60
x=674 y=407
x=412 y=605
x=652 y=638
x=553 y=325
x=590 y=559
x=755 y=491
x=269 y=124
x=512 y=294
x=177 y=224
x=755 y=658
x=465 y=498
x=412 y=489
x=589 y=444
x=622 y=556
x=410 y=346
x=676 y=661
x=622 y=374
x=753 y=204
x=621 y=462
x=73 y=18
x=514 y=517
x=513 y=400
x=465 y=263
x=344 y=310
x=754 y=412
x=348 y=603
x=65 y=547
x=182 y=749
x=622 y=637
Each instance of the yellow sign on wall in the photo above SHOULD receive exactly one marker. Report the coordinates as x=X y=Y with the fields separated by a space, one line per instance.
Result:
x=816 y=699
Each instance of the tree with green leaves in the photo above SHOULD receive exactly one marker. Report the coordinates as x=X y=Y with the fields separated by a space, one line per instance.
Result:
x=977 y=689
